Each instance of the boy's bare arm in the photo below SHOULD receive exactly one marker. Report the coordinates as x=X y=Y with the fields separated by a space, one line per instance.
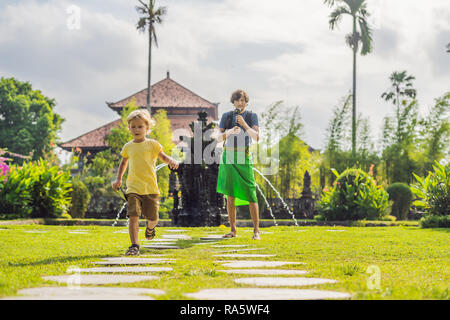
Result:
x=173 y=164
x=122 y=167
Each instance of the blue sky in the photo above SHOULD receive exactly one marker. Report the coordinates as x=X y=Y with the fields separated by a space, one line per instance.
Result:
x=274 y=50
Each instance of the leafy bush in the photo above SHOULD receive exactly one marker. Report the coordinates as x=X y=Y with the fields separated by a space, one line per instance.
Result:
x=354 y=196
x=35 y=190
x=80 y=199
x=433 y=192
x=435 y=221
x=402 y=196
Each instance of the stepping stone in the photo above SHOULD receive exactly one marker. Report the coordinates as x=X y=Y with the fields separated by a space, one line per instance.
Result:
x=336 y=230
x=161 y=240
x=99 y=278
x=230 y=246
x=160 y=247
x=78 y=232
x=244 y=255
x=160 y=243
x=256 y=264
x=121 y=231
x=35 y=231
x=281 y=282
x=133 y=261
x=265 y=271
x=176 y=236
x=124 y=269
x=86 y=293
x=239 y=250
x=176 y=230
x=266 y=294
x=214 y=237
x=206 y=242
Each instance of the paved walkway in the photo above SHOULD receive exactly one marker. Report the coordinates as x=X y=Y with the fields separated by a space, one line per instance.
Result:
x=116 y=270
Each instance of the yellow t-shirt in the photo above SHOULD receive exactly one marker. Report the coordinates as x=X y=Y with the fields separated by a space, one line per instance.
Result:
x=142 y=166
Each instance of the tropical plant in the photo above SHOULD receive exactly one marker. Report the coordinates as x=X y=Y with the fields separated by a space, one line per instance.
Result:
x=150 y=17
x=37 y=190
x=357 y=9
x=354 y=196
x=401 y=195
x=433 y=191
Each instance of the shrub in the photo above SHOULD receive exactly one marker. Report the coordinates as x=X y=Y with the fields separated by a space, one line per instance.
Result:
x=80 y=199
x=433 y=192
x=435 y=221
x=354 y=196
x=401 y=195
x=35 y=190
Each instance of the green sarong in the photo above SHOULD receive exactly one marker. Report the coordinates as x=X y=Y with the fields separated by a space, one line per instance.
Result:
x=236 y=177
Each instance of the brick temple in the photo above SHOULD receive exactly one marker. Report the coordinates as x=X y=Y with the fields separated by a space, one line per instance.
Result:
x=181 y=105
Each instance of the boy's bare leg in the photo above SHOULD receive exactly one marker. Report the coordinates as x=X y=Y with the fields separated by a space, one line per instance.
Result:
x=231 y=209
x=254 y=213
x=133 y=229
x=152 y=224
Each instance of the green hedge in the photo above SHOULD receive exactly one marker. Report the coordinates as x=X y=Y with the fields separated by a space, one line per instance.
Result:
x=35 y=190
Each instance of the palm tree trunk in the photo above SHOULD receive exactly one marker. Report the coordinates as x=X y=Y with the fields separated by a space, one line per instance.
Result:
x=149 y=66
x=355 y=48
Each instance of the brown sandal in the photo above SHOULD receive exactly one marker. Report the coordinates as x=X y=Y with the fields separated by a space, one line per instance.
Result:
x=229 y=235
x=150 y=233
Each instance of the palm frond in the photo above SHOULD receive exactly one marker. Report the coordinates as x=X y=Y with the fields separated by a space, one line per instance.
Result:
x=142 y=24
x=336 y=16
x=330 y=3
x=366 y=36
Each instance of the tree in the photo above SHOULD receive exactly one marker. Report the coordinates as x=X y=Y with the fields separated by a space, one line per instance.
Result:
x=28 y=123
x=162 y=132
x=448 y=47
x=399 y=136
x=433 y=143
x=150 y=17
x=357 y=9
x=337 y=153
x=400 y=91
x=399 y=132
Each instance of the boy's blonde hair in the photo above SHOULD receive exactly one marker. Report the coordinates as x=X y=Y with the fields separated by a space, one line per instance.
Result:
x=143 y=115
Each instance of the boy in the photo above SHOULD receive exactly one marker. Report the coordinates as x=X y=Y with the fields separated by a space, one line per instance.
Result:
x=142 y=187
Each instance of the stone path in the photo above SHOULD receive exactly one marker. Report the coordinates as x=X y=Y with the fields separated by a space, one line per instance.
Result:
x=134 y=269
x=265 y=271
x=99 y=278
x=86 y=293
x=282 y=282
x=133 y=261
x=124 y=269
x=243 y=255
x=265 y=294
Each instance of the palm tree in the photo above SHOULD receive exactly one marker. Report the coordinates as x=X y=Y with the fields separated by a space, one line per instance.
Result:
x=357 y=9
x=448 y=47
x=147 y=21
x=402 y=87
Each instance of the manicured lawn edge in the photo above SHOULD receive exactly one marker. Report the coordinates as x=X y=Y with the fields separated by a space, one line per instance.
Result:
x=240 y=223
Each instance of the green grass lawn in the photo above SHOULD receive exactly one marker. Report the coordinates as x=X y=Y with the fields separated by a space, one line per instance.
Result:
x=413 y=262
